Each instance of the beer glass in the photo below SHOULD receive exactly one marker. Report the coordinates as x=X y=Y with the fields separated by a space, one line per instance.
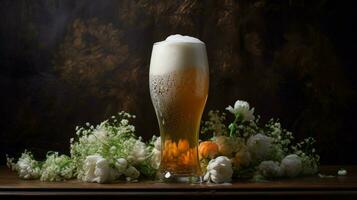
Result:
x=179 y=81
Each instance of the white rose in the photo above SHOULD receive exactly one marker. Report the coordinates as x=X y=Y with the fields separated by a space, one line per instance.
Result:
x=270 y=169
x=131 y=173
x=219 y=170
x=259 y=146
x=97 y=169
x=155 y=158
x=242 y=108
x=138 y=153
x=291 y=165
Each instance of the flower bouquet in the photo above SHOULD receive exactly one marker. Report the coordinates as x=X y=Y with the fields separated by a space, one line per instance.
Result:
x=111 y=151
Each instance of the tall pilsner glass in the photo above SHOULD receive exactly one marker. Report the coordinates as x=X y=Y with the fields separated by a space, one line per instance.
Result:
x=179 y=81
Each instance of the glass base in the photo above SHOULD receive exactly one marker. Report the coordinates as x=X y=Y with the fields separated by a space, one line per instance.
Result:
x=168 y=177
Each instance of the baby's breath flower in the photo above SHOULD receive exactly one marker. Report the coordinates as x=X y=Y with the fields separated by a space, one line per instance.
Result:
x=215 y=124
x=124 y=122
x=115 y=141
x=100 y=133
x=27 y=167
x=57 y=168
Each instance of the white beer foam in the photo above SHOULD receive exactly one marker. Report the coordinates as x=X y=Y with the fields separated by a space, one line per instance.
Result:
x=182 y=38
x=177 y=52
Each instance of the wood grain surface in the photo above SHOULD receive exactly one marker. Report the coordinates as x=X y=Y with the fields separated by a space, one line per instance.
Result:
x=314 y=186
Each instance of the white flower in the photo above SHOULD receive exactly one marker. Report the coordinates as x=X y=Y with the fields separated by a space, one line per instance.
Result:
x=124 y=122
x=99 y=133
x=97 y=169
x=226 y=145
x=342 y=172
x=121 y=164
x=28 y=168
x=259 y=146
x=157 y=143
x=155 y=158
x=270 y=169
x=57 y=168
x=242 y=108
x=138 y=153
x=131 y=173
x=219 y=170
x=291 y=165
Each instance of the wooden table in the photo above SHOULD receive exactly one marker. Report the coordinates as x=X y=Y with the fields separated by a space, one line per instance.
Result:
x=339 y=187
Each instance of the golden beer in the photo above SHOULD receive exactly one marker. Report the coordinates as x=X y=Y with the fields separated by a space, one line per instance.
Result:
x=179 y=90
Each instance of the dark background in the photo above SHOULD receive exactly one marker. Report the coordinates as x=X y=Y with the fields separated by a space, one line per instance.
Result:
x=67 y=62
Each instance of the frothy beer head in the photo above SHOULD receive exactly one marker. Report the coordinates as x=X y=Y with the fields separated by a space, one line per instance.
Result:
x=177 y=52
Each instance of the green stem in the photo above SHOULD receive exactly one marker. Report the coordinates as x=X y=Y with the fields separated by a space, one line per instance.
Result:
x=233 y=126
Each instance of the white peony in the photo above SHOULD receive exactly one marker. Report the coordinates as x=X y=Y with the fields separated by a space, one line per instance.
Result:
x=219 y=170
x=97 y=169
x=270 y=169
x=259 y=146
x=138 y=153
x=291 y=165
x=242 y=108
